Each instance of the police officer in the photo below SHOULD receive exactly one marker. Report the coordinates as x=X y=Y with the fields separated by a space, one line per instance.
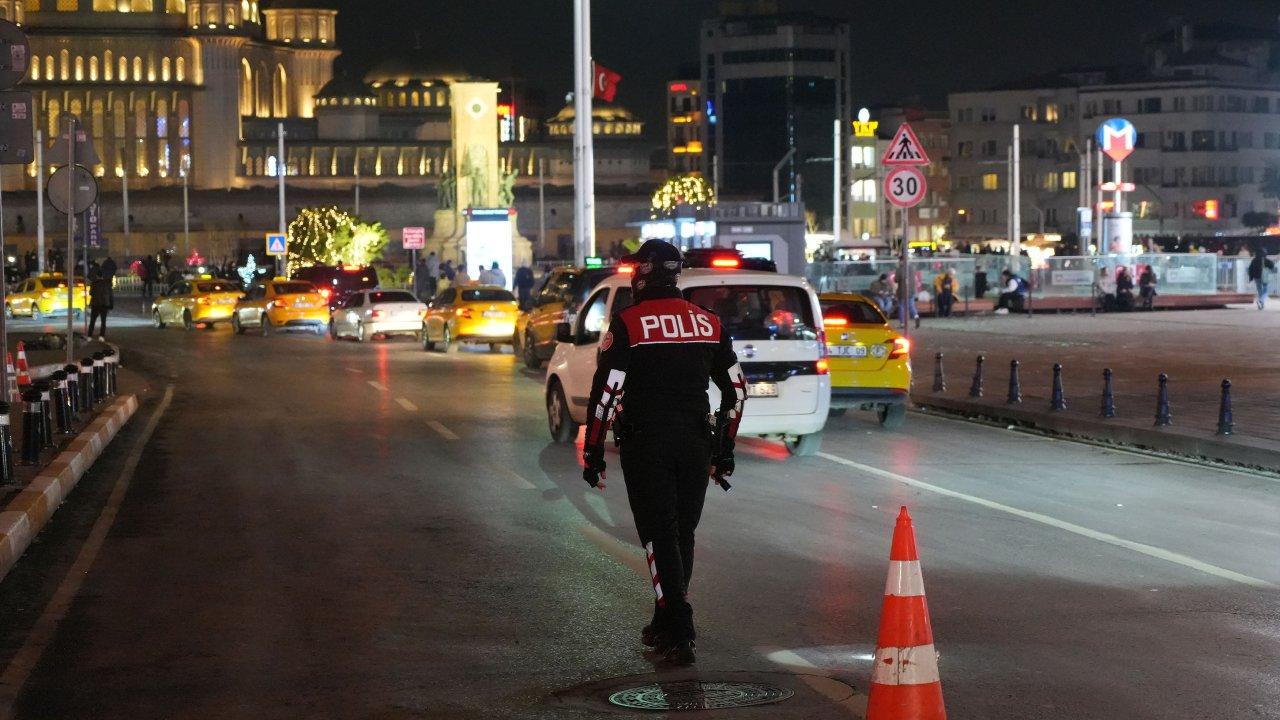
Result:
x=662 y=352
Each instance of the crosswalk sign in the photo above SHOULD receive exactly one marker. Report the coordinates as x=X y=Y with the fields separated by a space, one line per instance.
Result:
x=277 y=244
x=905 y=149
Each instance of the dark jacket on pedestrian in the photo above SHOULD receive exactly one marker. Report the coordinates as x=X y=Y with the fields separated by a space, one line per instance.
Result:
x=100 y=294
x=1256 y=265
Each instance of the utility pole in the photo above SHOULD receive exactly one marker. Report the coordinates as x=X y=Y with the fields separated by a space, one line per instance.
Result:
x=1098 y=231
x=837 y=157
x=40 y=178
x=1008 y=194
x=282 y=167
x=542 y=202
x=186 y=219
x=357 y=182
x=584 y=214
x=1016 y=211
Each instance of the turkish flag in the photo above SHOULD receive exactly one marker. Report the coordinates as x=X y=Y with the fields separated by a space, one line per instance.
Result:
x=604 y=82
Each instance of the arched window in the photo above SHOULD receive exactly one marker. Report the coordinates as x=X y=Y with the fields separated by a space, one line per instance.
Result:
x=123 y=75
x=137 y=69
x=141 y=6
x=93 y=68
x=262 y=91
x=184 y=124
x=175 y=6
x=244 y=11
x=117 y=119
x=280 y=93
x=247 y=93
x=271 y=166
x=253 y=10
x=79 y=68
x=108 y=65
x=99 y=132
x=55 y=116
x=151 y=68
x=64 y=65
x=404 y=102
x=35 y=69
x=164 y=69
x=48 y=68
x=162 y=132
x=211 y=14
x=180 y=69
x=416 y=98
x=231 y=15
x=142 y=167
x=287 y=28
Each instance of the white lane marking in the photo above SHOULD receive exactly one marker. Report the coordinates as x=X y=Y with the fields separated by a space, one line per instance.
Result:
x=404 y=403
x=1143 y=548
x=513 y=477
x=439 y=427
x=377 y=385
x=354 y=370
x=46 y=627
x=632 y=556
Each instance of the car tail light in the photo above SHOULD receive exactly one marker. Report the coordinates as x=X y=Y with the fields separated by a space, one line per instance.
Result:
x=836 y=321
x=325 y=293
x=726 y=263
x=376 y=313
x=203 y=300
x=464 y=313
x=626 y=269
x=901 y=348
x=822 y=367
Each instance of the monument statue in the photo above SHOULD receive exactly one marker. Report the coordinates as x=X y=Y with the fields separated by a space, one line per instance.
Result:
x=478 y=173
x=446 y=189
x=507 y=188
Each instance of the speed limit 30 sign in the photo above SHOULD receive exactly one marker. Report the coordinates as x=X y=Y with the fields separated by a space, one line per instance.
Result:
x=905 y=186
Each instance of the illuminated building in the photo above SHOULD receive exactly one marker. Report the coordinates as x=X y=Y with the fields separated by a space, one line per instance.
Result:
x=684 y=126
x=1205 y=101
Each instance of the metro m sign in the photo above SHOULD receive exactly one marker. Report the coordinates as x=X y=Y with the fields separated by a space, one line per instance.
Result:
x=1117 y=138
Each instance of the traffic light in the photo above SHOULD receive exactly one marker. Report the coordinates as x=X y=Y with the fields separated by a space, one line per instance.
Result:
x=1207 y=209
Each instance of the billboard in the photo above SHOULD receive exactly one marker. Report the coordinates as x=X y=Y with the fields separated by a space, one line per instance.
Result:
x=488 y=240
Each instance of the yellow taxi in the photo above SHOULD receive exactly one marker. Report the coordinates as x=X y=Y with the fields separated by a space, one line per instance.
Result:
x=202 y=301
x=470 y=314
x=46 y=295
x=870 y=364
x=282 y=304
x=555 y=301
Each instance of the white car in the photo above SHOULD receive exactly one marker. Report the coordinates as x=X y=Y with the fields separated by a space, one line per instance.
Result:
x=775 y=322
x=366 y=313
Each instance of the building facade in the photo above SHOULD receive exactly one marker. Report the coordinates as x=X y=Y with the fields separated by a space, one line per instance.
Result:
x=200 y=87
x=1206 y=104
x=774 y=82
x=684 y=126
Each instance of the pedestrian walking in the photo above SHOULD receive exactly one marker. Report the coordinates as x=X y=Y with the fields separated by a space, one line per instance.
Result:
x=433 y=273
x=421 y=284
x=662 y=352
x=109 y=268
x=524 y=286
x=496 y=276
x=101 y=301
x=1258 y=269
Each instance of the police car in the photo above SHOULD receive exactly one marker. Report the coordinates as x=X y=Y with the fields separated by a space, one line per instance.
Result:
x=775 y=322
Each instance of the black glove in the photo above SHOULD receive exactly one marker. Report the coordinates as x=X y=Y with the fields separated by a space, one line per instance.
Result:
x=722 y=468
x=593 y=460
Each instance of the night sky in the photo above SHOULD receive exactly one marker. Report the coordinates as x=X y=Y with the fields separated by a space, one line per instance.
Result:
x=905 y=50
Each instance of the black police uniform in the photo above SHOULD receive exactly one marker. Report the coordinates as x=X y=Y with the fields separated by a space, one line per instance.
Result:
x=661 y=353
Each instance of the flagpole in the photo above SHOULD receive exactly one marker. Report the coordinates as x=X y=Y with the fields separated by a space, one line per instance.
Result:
x=584 y=215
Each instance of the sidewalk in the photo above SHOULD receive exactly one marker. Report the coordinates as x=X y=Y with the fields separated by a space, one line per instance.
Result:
x=1197 y=349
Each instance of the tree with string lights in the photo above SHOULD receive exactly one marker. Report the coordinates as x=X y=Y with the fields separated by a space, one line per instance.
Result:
x=329 y=235
x=691 y=190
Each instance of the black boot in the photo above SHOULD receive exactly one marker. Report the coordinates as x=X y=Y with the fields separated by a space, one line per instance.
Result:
x=681 y=653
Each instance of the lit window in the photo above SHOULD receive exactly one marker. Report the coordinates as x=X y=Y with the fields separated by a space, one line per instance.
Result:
x=181 y=69
x=68 y=5
x=164 y=69
x=79 y=68
x=64 y=65
x=990 y=181
x=137 y=69
x=1051 y=113
x=1069 y=180
x=108 y=67
x=93 y=68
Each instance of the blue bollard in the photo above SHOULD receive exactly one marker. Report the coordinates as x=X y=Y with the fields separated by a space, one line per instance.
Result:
x=1057 y=401
x=1108 y=399
x=975 y=390
x=1163 y=416
x=1015 y=387
x=1226 y=424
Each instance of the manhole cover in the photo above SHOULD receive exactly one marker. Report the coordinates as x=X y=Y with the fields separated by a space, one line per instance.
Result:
x=698 y=695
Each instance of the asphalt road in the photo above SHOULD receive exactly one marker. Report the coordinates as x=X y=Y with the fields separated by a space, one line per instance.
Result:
x=323 y=529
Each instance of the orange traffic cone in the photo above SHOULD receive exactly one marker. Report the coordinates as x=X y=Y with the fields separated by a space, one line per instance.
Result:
x=24 y=378
x=904 y=680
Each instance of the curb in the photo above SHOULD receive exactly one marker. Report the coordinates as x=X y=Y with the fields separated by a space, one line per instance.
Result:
x=28 y=513
x=1238 y=451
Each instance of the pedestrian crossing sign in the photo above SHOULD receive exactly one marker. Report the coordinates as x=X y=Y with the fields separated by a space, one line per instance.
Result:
x=277 y=244
x=905 y=149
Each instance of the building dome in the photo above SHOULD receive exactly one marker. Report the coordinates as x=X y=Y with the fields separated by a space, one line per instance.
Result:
x=345 y=91
x=607 y=120
x=414 y=71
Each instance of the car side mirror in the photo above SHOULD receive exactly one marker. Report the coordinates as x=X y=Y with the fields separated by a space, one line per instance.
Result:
x=564 y=332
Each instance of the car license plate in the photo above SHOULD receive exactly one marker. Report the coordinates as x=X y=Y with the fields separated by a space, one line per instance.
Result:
x=856 y=351
x=762 y=389
x=492 y=313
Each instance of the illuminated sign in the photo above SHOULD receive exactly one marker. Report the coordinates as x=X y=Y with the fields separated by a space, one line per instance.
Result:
x=504 y=109
x=864 y=126
x=1207 y=209
x=679 y=87
x=1117 y=137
